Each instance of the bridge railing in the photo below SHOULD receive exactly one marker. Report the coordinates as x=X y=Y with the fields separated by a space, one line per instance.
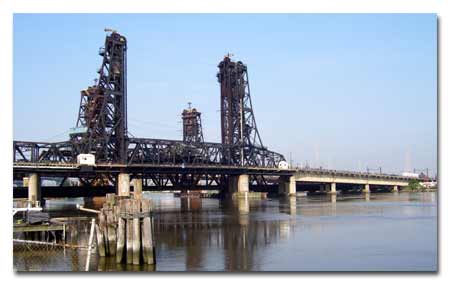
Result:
x=322 y=171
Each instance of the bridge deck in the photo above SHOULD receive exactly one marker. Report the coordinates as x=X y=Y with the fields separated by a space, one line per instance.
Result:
x=301 y=174
x=66 y=168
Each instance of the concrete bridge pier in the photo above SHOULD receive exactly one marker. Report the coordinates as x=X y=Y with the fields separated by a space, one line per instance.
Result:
x=123 y=184
x=238 y=185
x=395 y=188
x=34 y=190
x=366 y=188
x=331 y=188
x=287 y=186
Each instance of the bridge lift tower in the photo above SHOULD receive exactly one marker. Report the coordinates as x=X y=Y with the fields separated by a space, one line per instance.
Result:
x=101 y=127
x=192 y=125
x=238 y=123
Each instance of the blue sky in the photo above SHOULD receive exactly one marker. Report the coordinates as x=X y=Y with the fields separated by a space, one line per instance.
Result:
x=342 y=91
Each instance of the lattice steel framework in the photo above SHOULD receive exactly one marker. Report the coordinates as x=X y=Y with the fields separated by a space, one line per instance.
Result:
x=101 y=127
x=102 y=118
x=238 y=124
x=192 y=125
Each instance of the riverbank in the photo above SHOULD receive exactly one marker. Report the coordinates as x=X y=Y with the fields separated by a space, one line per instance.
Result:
x=420 y=190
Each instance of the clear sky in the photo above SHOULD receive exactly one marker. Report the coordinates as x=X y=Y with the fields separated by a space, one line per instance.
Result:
x=343 y=91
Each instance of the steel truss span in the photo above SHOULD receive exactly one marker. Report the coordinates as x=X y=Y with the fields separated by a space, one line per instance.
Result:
x=144 y=151
x=101 y=127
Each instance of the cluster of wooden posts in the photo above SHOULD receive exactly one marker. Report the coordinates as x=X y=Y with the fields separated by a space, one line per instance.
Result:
x=125 y=230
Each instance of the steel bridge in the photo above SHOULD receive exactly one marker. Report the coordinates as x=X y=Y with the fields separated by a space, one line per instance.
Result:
x=101 y=130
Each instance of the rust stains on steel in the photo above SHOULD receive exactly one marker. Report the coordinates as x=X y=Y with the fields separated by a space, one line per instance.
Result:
x=192 y=125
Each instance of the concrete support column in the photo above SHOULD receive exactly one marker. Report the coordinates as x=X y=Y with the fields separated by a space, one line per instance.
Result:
x=123 y=184
x=366 y=188
x=137 y=186
x=34 y=189
x=287 y=186
x=332 y=188
x=238 y=184
x=395 y=188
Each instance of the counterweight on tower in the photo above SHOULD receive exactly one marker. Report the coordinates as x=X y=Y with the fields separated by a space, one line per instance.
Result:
x=238 y=123
x=192 y=125
x=101 y=127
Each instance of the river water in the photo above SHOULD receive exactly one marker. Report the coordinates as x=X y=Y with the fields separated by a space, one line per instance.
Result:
x=377 y=232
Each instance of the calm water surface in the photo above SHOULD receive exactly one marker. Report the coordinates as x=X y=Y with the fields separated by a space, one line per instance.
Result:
x=378 y=232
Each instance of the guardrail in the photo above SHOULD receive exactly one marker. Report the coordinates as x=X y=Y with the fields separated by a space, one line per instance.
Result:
x=299 y=170
x=351 y=173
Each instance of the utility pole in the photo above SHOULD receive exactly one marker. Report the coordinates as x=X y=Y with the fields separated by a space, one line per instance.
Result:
x=290 y=159
x=379 y=169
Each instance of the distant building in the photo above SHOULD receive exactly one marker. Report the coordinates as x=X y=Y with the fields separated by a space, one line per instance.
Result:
x=429 y=184
x=407 y=174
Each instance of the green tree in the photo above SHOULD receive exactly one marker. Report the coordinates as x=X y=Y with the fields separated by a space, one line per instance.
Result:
x=413 y=184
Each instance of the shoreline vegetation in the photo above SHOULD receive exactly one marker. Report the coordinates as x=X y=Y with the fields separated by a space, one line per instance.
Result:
x=415 y=186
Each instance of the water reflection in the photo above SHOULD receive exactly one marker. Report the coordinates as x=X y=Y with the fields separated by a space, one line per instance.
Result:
x=105 y=264
x=190 y=203
x=231 y=236
x=288 y=205
x=333 y=198
x=295 y=233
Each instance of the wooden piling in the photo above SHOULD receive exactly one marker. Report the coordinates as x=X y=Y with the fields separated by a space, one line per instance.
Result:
x=120 y=233
x=110 y=199
x=147 y=238
x=100 y=241
x=111 y=232
x=125 y=230
x=136 y=232
x=103 y=229
x=129 y=228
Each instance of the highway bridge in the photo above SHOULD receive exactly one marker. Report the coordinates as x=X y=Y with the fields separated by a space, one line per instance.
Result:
x=234 y=180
